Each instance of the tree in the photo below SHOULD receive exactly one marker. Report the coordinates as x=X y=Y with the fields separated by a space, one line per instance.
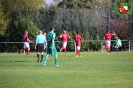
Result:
x=3 y=20
x=17 y=17
x=77 y=3
x=8 y=6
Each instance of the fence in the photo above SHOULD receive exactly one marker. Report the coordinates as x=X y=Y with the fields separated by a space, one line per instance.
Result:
x=92 y=24
x=13 y=46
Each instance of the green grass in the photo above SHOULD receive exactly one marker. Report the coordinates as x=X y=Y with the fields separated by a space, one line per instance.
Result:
x=93 y=70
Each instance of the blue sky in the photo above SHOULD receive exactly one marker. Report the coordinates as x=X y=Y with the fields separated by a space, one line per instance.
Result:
x=49 y=1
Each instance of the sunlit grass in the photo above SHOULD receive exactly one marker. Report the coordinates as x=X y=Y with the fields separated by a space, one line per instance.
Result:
x=92 y=70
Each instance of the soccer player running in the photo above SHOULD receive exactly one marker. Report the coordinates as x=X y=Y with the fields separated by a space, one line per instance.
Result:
x=64 y=37
x=51 y=48
x=78 y=41
x=40 y=40
x=107 y=38
x=26 y=41
x=117 y=44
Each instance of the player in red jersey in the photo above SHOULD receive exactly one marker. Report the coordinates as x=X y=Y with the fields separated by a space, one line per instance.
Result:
x=64 y=37
x=107 y=38
x=78 y=41
x=26 y=41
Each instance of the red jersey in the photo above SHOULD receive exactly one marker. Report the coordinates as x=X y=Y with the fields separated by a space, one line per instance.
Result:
x=25 y=38
x=78 y=39
x=65 y=37
x=108 y=36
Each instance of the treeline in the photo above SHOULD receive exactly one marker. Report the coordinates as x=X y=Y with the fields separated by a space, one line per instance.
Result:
x=88 y=18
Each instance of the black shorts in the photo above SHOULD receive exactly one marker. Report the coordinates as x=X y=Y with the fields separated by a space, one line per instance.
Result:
x=40 y=47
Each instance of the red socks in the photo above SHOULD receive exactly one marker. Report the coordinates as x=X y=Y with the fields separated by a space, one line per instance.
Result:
x=22 y=50
x=63 y=49
x=77 y=52
x=27 y=52
x=108 y=48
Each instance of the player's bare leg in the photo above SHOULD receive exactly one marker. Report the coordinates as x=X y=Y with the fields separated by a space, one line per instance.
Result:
x=105 y=47
x=62 y=49
x=108 y=50
x=76 y=53
x=79 y=54
x=28 y=51
x=22 y=50
x=65 y=50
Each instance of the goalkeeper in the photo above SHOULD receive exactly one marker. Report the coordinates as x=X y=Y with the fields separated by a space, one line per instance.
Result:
x=117 y=44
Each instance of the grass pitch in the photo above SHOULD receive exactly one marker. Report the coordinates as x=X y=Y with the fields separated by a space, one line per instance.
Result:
x=92 y=70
